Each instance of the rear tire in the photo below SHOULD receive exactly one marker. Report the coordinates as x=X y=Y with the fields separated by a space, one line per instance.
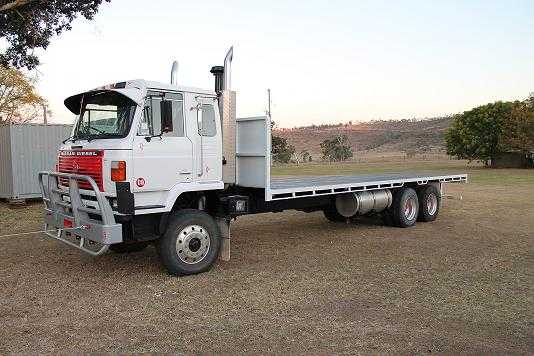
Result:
x=405 y=207
x=429 y=203
x=190 y=244
x=128 y=247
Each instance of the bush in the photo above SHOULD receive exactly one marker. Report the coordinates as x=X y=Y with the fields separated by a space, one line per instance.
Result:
x=336 y=149
x=281 y=150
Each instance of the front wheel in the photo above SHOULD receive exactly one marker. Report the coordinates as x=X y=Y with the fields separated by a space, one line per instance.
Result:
x=191 y=243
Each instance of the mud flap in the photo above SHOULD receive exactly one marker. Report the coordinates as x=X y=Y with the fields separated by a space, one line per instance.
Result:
x=224 y=227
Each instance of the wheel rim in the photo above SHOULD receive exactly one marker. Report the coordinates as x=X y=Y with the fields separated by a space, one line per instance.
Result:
x=410 y=208
x=192 y=244
x=432 y=204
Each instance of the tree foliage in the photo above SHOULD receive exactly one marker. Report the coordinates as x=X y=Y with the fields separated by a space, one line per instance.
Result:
x=486 y=131
x=281 y=150
x=305 y=156
x=27 y=25
x=336 y=149
x=519 y=129
x=19 y=101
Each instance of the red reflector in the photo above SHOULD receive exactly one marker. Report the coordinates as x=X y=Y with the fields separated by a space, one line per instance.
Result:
x=67 y=223
x=118 y=171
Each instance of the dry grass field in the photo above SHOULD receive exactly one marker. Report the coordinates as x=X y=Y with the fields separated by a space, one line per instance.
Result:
x=296 y=283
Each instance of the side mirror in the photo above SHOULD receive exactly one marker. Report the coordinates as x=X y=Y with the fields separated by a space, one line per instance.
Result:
x=166 y=116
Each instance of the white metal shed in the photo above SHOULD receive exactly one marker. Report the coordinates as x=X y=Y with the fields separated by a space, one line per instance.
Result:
x=26 y=149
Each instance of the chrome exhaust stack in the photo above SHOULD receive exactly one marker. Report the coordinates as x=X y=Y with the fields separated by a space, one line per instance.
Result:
x=174 y=73
x=227 y=83
x=223 y=74
x=227 y=110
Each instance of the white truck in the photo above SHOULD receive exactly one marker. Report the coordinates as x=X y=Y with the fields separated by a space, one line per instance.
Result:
x=151 y=162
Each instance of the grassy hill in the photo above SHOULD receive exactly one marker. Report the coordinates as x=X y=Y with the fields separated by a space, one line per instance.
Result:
x=419 y=136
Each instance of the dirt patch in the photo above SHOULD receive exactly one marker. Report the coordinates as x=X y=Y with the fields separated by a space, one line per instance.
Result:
x=295 y=284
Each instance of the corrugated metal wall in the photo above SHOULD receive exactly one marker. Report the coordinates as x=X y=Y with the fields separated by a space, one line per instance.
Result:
x=6 y=176
x=33 y=148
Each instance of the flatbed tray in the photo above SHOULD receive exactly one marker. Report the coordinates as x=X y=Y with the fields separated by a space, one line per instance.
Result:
x=298 y=187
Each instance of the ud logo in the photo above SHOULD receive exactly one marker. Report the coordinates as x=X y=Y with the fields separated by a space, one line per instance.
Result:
x=140 y=182
x=75 y=167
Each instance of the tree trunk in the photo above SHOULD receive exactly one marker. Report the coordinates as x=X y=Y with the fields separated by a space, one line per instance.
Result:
x=15 y=4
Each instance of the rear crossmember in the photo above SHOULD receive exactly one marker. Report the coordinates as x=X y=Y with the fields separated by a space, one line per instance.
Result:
x=91 y=229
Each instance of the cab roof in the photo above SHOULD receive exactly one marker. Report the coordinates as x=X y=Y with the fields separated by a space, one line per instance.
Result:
x=168 y=86
x=128 y=88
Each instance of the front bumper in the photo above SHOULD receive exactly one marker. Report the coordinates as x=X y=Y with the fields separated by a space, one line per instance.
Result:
x=89 y=227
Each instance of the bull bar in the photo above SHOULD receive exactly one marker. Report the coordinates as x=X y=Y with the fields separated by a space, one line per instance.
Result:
x=71 y=216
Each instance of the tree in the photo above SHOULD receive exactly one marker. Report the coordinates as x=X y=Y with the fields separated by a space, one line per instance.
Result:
x=519 y=129
x=478 y=134
x=19 y=101
x=336 y=149
x=27 y=25
x=281 y=150
x=305 y=156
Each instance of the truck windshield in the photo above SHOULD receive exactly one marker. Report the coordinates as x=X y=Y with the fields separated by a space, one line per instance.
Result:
x=104 y=115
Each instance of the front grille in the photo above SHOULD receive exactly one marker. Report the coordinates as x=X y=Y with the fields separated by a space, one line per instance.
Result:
x=80 y=162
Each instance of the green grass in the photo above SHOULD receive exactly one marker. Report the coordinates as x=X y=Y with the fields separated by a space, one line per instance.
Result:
x=477 y=174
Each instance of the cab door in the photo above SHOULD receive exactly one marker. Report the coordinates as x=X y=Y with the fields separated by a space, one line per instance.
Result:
x=161 y=162
x=205 y=133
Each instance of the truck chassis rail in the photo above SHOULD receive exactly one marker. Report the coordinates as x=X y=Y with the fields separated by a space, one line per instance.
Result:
x=93 y=228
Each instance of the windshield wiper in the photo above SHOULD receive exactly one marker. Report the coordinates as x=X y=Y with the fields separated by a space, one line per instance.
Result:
x=73 y=138
x=97 y=130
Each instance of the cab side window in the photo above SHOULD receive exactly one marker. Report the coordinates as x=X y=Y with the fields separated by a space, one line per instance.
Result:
x=209 y=127
x=151 y=119
x=177 y=119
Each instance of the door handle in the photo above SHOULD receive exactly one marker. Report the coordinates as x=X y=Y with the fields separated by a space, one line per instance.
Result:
x=185 y=172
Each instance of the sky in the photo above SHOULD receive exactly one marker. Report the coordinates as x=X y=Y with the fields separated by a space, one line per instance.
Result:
x=325 y=61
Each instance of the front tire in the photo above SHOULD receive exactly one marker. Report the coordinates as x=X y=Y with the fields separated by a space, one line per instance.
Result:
x=190 y=244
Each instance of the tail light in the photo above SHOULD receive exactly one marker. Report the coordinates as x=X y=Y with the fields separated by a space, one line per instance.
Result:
x=118 y=171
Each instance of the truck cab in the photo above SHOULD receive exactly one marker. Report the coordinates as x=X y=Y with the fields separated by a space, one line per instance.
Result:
x=159 y=139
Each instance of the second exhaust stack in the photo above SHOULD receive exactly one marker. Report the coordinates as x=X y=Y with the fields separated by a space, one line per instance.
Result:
x=223 y=75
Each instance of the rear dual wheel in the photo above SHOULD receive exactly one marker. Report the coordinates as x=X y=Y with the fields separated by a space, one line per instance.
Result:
x=429 y=202
x=405 y=208
x=410 y=206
